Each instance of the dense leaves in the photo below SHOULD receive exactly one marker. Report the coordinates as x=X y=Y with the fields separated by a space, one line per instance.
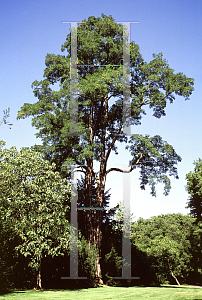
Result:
x=101 y=69
x=34 y=201
x=100 y=41
x=157 y=158
x=172 y=241
x=194 y=188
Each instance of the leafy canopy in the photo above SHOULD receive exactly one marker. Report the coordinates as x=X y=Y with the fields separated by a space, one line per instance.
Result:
x=34 y=200
x=173 y=243
x=194 y=188
x=100 y=103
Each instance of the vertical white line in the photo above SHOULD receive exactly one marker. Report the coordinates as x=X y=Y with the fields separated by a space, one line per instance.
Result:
x=126 y=79
x=126 y=250
x=126 y=241
x=73 y=82
x=74 y=226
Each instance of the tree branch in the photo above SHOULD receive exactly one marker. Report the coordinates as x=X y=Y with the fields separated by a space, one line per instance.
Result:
x=113 y=141
x=124 y=171
x=87 y=168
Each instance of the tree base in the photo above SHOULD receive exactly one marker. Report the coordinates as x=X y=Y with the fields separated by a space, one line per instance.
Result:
x=38 y=288
x=97 y=282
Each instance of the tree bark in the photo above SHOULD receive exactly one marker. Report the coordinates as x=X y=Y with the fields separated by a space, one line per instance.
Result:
x=98 y=232
x=100 y=196
x=172 y=272
x=94 y=221
x=88 y=200
x=174 y=277
x=38 y=277
x=94 y=217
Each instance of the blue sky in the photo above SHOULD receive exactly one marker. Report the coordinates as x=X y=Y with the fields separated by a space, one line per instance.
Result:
x=31 y=29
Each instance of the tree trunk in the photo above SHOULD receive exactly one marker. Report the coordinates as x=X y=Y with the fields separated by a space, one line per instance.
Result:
x=38 y=277
x=97 y=232
x=100 y=194
x=172 y=272
x=95 y=238
x=93 y=216
x=174 y=277
x=94 y=222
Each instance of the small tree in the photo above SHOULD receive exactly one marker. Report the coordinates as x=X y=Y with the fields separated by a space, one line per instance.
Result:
x=34 y=197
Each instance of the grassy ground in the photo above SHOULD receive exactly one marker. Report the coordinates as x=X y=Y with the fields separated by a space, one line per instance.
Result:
x=156 y=293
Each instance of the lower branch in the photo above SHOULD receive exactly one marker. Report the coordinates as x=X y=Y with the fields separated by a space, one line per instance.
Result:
x=125 y=171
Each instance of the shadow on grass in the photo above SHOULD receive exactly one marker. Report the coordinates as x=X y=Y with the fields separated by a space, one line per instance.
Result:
x=9 y=291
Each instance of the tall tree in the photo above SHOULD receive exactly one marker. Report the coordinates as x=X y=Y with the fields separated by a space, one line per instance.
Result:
x=100 y=123
x=194 y=188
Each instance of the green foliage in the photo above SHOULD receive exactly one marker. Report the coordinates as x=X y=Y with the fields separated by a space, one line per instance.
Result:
x=121 y=214
x=153 y=84
x=194 y=188
x=157 y=159
x=114 y=264
x=87 y=258
x=100 y=120
x=34 y=204
x=7 y=242
x=172 y=242
x=6 y=115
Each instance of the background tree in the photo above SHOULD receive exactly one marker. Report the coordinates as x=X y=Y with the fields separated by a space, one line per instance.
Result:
x=194 y=188
x=33 y=200
x=167 y=252
x=100 y=125
x=172 y=242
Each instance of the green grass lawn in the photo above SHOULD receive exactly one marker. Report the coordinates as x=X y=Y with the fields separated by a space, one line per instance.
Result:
x=156 y=293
